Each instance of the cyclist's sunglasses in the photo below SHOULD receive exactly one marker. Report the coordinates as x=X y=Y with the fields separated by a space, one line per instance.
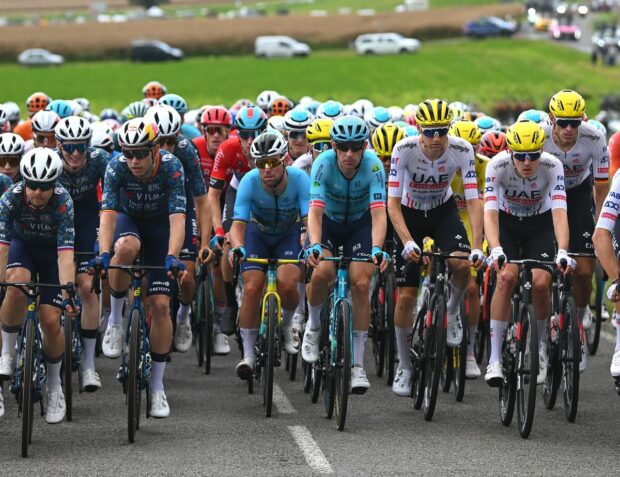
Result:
x=12 y=161
x=353 y=146
x=168 y=141
x=297 y=135
x=43 y=138
x=564 y=123
x=268 y=162
x=432 y=132
x=71 y=148
x=44 y=186
x=213 y=130
x=136 y=153
x=251 y=134
x=523 y=156
x=322 y=146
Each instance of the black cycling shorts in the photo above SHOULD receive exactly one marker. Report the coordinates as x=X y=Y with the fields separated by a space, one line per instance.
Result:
x=527 y=237
x=580 y=218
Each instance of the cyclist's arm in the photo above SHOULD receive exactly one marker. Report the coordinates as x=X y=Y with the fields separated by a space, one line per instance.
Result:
x=560 y=226
x=66 y=267
x=177 y=234
x=317 y=201
x=237 y=233
x=377 y=203
x=472 y=196
x=601 y=189
x=176 y=208
x=604 y=249
x=558 y=205
x=315 y=224
x=379 y=226
x=203 y=215
x=491 y=227
x=213 y=201
x=491 y=205
x=107 y=226
x=397 y=219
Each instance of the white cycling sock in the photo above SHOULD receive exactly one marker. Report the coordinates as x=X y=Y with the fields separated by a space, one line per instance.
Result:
x=498 y=331
x=157 y=375
x=301 y=289
x=403 y=343
x=53 y=376
x=287 y=317
x=314 y=316
x=249 y=336
x=456 y=296
x=8 y=342
x=183 y=313
x=116 y=311
x=359 y=345
x=471 y=340
x=616 y=318
x=542 y=333
x=88 y=357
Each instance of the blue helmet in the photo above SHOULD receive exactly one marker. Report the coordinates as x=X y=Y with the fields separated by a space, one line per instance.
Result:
x=313 y=106
x=60 y=107
x=330 y=110
x=535 y=115
x=297 y=119
x=349 y=128
x=487 y=123
x=251 y=118
x=176 y=101
x=598 y=125
x=411 y=131
x=378 y=116
x=108 y=113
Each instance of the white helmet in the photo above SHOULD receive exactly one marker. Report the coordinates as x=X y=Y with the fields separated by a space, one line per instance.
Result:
x=263 y=99
x=12 y=111
x=11 y=145
x=268 y=144
x=101 y=126
x=73 y=129
x=41 y=164
x=363 y=107
x=4 y=121
x=76 y=108
x=297 y=119
x=138 y=132
x=460 y=105
x=396 y=113
x=101 y=139
x=276 y=123
x=168 y=120
x=304 y=100
x=45 y=121
x=84 y=103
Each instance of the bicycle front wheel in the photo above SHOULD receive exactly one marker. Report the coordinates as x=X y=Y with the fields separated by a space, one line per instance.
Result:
x=133 y=377
x=272 y=320
x=554 y=366
x=434 y=349
x=527 y=369
x=593 y=334
x=570 y=355
x=27 y=392
x=67 y=374
x=376 y=331
x=342 y=363
x=207 y=324
x=459 y=356
x=389 y=334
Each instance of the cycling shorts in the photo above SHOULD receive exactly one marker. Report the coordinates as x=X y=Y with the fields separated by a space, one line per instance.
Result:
x=443 y=224
x=41 y=260
x=263 y=245
x=355 y=238
x=189 y=251
x=465 y=219
x=580 y=218
x=527 y=237
x=86 y=226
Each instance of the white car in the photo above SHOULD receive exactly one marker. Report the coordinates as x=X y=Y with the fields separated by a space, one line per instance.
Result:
x=279 y=46
x=385 y=43
x=39 y=56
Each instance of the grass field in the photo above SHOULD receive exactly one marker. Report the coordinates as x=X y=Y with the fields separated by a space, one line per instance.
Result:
x=478 y=71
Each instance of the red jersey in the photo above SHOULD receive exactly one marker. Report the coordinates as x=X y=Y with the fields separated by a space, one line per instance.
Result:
x=228 y=157
x=614 y=153
x=206 y=161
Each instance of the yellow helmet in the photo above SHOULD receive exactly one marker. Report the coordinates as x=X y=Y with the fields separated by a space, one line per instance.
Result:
x=385 y=137
x=318 y=130
x=567 y=104
x=525 y=136
x=433 y=113
x=466 y=130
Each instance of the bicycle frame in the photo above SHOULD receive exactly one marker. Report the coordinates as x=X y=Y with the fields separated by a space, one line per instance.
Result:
x=39 y=367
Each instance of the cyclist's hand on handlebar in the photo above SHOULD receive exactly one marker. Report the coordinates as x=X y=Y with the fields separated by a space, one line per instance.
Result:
x=72 y=306
x=411 y=251
x=175 y=266
x=239 y=252
x=217 y=241
x=498 y=258
x=100 y=263
x=477 y=258
x=313 y=254
x=613 y=293
x=564 y=262
x=380 y=258
x=206 y=255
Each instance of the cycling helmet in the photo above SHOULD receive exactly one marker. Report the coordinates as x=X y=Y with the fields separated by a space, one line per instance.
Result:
x=279 y=106
x=385 y=137
x=364 y=106
x=137 y=109
x=297 y=119
x=378 y=116
x=396 y=113
x=472 y=115
x=113 y=124
x=598 y=125
x=45 y=121
x=60 y=107
x=460 y=105
x=466 y=130
x=411 y=131
x=73 y=129
x=264 y=98
x=240 y=103
x=154 y=89
x=108 y=113
x=176 y=101
x=138 y=133
x=150 y=102
x=37 y=102
x=330 y=110
x=349 y=128
x=11 y=145
x=84 y=103
x=275 y=123
x=269 y=144
x=487 y=123
x=313 y=107
x=492 y=143
x=567 y=104
x=102 y=140
x=5 y=125
x=216 y=116
x=167 y=119
x=536 y=116
x=433 y=113
x=319 y=130
x=12 y=111
x=76 y=108
x=525 y=136
x=101 y=126
x=251 y=118
x=41 y=164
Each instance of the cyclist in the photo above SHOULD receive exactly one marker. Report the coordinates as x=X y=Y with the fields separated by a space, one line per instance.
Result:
x=524 y=210
x=347 y=208
x=35 y=103
x=154 y=89
x=13 y=114
x=582 y=149
x=12 y=148
x=421 y=204
x=317 y=134
x=36 y=237
x=43 y=130
x=271 y=201
x=492 y=143
x=83 y=170
x=143 y=209
x=296 y=121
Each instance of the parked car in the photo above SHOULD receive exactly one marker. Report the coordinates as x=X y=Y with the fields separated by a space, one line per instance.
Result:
x=542 y=23
x=564 y=29
x=39 y=57
x=154 y=50
x=279 y=46
x=490 y=26
x=385 y=43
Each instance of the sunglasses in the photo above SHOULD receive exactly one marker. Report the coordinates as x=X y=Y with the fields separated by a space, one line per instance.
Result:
x=136 y=153
x=251 y=134
x=268 y=162
x=12 y=161
x=564 y=123
x=322 y=146
x=432 y=132
x=350 y=146
x=522 y=156
x=168 y=141
x=297 y=135
x=71 y=148
x=44 y=186
x=213 y=130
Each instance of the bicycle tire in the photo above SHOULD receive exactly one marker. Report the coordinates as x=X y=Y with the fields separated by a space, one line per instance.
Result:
x=527 y=369
x=389 y=333
x=378 y=346
x=272 y=320
x=198 y=330
x=208 y=324
x=445 y=379
x=328 y=381
x=292 y=372
x=593 y=334
x=318 y=370
x=67 y=373
x=27 y=391
x=434 y=349
x=570 y=358
x=459 y=356
x=307 y=381
x=133 y=377
x=343 y=363
x=416 y=355
x=554 y=375
x=508 y=389
x=99 y=341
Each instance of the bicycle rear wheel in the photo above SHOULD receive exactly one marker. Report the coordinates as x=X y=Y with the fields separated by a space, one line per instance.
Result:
x=527 y=369
x=459 y=356
x=342 y=363
x=416 y=355
x=554 y=366
x=133 y=376
x=435 y=346
x=198 y=330
x=67 y=374
x=389 y=335
x=508 y=389
x=570 y=356
x=447 y=371
x=376 y=332
x=27 y=392
x=292 y=370
x=593 y=334
x=272 y=319
x=326 y=371
x=207 y=323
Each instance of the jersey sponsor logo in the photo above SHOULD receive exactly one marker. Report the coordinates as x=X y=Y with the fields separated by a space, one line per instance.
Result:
x=393 y=172
x=614 y=194
x=558 y=197
x=603 y=170
x=406 y=145
x=459 y=148
x=523 y=197
x=470 y=174
x=377 y=196
x=609 y=204
x=607 y=215
x=376 y=168
x=441 y=169
x=394 y=184
x=490 y=198
x=470 y=186
x=424 y=179
x=559 y=187
x=591 y=137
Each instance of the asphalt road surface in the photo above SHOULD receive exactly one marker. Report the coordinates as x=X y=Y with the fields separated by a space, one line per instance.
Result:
x=217 y=428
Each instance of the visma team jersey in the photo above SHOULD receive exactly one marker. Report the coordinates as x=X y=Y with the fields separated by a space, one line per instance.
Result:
x=272 y=214
x=187 y=154
x=609 y=212
x=82 y=185
x=346 y=200
x=5 y=183
x=424 y=184
x=507 y=191
x=52 y=223
x=589 y=154
x=163 y=193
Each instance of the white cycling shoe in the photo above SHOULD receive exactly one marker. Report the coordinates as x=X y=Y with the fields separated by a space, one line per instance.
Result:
x=7 y=366
x=495 y=375
x=310 y=346
x=159 y=405
x=543 y=361
x=112 y=340
x=455 y=331
x=359 y=381
x=401 y=386
x=183 y=336
x=56 y=407
x=614 y=369
x=291 y=339
x=472 y=371
x=90 y=380
x=584 y=360
x=220 y=344
x=586 y=321
x=245 y=368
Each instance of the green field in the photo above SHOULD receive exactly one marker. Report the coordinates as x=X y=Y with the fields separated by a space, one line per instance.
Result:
x=477 y=71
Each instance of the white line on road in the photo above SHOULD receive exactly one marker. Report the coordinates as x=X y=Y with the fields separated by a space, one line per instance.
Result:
x=312 y=452
x=281 y=401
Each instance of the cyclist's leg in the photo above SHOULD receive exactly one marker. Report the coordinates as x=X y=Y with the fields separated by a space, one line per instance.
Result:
x=183 y=333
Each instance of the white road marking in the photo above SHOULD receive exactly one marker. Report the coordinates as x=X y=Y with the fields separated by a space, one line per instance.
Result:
x=312 y=452
x=281 y=401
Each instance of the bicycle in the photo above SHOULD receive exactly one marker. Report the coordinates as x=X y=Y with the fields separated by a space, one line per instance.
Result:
x=455 y=359
x=204 y=313
x=486 y=282
x=593 y=334
x=30 y=371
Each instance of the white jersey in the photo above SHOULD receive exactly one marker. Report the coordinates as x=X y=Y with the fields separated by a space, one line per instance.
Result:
x=304 y=162
x=507 y=191
x=611 y=207
x=424 y=184
x=588 y=155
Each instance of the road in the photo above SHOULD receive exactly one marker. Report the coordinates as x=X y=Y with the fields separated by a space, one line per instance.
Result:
x=217 y=428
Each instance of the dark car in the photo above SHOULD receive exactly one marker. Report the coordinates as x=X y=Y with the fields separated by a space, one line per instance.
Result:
x=154 y=50
x=490 y=26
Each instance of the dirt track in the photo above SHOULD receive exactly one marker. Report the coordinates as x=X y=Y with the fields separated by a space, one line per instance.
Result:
x=43 y=5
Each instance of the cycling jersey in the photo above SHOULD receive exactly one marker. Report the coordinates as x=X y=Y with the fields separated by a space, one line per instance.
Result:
x=424 y=184
x=82 y=185
x=5 y=183
x=347 y=200
x=228 y=156
x=588 y=155
x=206 y=160
x=609 y=212
x=24 y=129
x=304 y=162
x=50 y=224
x=272 y=214
x=508 y=192
x=194 y=180
x=162 y=193
x=457 y=182
x=190 y=132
